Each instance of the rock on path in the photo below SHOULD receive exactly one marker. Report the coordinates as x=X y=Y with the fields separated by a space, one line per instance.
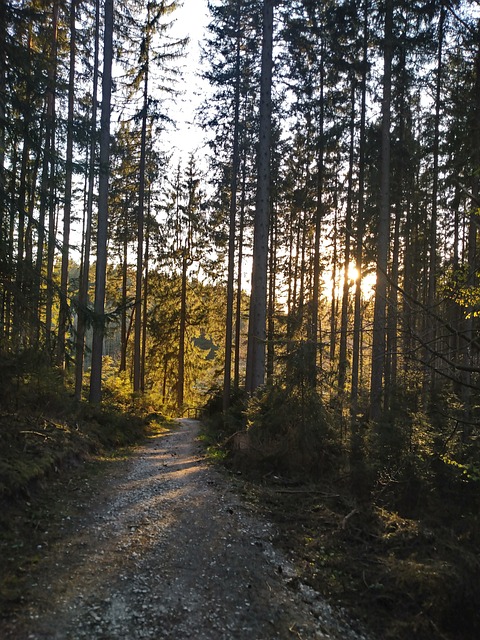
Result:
x=170 y=552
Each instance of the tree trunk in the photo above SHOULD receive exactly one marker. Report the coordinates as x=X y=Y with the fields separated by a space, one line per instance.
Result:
x=238 y=310
x=342 y=356
x=271 y=303
x=182 y=330
x=357 y=313
x=379 y=316
x=85 y=265
x=3 y=238
x=123 y=325
x=317 y=240
x=255 y=375
x=64 y=307
x=227 y=377
x=334 y=302
x=137 y=336
x=433 y=258
x=145 y=298
x=50 y=173
x=101 y=267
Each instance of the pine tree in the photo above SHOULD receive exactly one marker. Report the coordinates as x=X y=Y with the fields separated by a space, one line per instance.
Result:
x=255 y=375
x=101 y=264
x=379 y=321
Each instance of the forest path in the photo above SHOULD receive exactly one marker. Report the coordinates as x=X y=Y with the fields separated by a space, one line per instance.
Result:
x=168 y=550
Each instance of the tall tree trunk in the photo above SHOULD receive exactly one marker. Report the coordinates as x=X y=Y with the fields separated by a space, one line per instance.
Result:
x=64 y=307
x=101 y=266
x=333 y=296
x=137 y=336
x=18 y=309
x=3 y=235
x=21 y=201
x=398 y=207
x=8 y=303
x=145 y=296
x=238 y=310
x=357 y=313
x=255 y=375
x=379 y=315
x=342 y=356
x=85 y=263
x=227 y=377
x=32 y=317
x=391 y=360
x=51 y=191
x=433 y=258
x=271 y=302
x=123 y=327
x=318 y=232
x=182 y=330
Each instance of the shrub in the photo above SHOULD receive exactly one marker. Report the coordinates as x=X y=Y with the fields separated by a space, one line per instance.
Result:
x=291 y=431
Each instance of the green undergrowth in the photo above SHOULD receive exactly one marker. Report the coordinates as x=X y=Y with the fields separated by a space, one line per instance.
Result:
x=35 y=447
x=285 y=430
x=43 y=430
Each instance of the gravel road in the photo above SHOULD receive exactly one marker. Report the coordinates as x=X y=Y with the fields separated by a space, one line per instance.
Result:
x=169 y=551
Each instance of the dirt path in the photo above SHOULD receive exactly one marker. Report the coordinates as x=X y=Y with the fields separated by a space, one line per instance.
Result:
x=168 y=551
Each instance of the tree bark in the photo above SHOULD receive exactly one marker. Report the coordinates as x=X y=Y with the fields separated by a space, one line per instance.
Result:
x=342 y=356
x=379 y=318
x=85 y=265
x=3 y=29
x=227 y=377
x=255 y=375
x=50 y=185
x=182 y=330
x=137 y=336
x=357 y=313
x=101 y=266
x=64 y=307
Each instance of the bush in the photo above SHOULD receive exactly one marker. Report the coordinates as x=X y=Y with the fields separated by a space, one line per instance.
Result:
x=291 y=431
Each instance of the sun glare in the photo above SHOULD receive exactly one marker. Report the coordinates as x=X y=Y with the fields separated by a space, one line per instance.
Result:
x=368 y=282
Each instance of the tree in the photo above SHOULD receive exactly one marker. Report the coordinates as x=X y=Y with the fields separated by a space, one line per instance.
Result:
x=379 y=320
x=82 y=306
x=255 y=375
x=67 y=212
x=102 y=230
x=232 y=218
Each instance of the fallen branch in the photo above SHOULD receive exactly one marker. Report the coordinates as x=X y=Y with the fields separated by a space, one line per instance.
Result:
x=36 y=433
x=308 y=491
x=347 y=517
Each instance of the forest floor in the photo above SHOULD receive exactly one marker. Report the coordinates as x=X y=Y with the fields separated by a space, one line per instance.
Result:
x=160 y=544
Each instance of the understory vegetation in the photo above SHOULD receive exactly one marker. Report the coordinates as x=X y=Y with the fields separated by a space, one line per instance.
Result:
x=382 y=516
x=44 y=431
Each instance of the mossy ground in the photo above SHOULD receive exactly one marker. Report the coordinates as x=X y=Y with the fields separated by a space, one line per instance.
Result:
x=405 y=579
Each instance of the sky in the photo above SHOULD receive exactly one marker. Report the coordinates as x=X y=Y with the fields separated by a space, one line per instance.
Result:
x=190 y=20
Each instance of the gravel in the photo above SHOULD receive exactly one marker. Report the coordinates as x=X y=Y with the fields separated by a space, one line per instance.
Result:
x=169 y=551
